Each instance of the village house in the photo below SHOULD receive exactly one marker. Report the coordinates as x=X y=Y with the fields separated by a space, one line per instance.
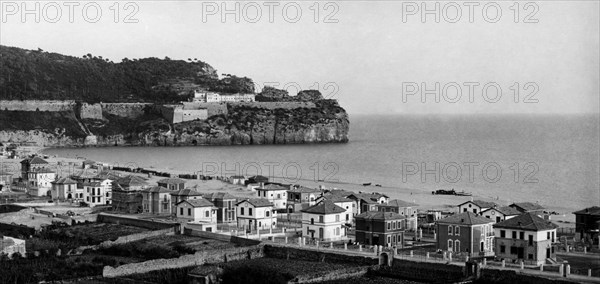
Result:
x=499 y=214
x=39 y=181
x=6 y=180
x=380 y=228
x=256 y=213
x=172 y=183
x=225 y=204
x=324 y=221
x=10 y=246
x=156 y=200
x=258 y=179
x=181 y=195
x=274 y=193
x=126 y=194
x=301 y=197
x=528 y=207
x=199 y=214
x=527 y=237
x=367 y=201
x=346 y=203
x=403 y=208
x=32 y=164
x=587 y=225
x=475 y=206
x=98 y=192
x=66 y=189
x=240 y=180
x=466 y=233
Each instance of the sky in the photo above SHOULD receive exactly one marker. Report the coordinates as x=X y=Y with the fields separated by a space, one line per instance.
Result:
x=375 y=57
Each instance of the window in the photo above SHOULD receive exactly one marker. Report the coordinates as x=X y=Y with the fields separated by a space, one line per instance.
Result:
x=522 y=235
x=337 y=218
x=393 y=239
x=389 y=239
x=457 y=230
x=312 y=221
x=206 y=213
x=250 y=211
x=530 y=241
x=530 y=256
x=337 y=231
x=475 y=211
x=267 y=213
x=502 y=233
x=180 y=211
x=278 y=196
x=513 y=250
x=393 y=225
x=514 y=234
x=552 y=238
x=389 y=225
x=242 y=211
x=321 y=233
x=502 y=249
x=457 y=245
x=189 y=211
x=321 y=219
x=547 y=235
x=307 y=230
x=449 y=230
x=449 y=245
x=347 y=217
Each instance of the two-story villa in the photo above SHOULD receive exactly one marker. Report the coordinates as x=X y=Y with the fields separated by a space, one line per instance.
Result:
x=499 y=214
x=97 y=192
x=527 y=237
x=126 y=193
x=274 y=193
x=181 y=195
x=66 y=189
x=172 y=183
x=401 y=207
x=301 y=197
x=587 y=225
x=225 y=204
x=368 y=201
x=39 y=181
x=324 y=221
x=466 y=233
x=198 y=213
x=380 y=228
x=157 y=200
x=256 y=213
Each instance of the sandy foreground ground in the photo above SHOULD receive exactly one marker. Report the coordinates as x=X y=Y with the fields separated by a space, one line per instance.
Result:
x=425 y=200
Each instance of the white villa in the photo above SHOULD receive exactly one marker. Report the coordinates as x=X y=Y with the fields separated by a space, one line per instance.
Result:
x=275 y=194
x=324 y=221
x=256 y=213
x=98 y=192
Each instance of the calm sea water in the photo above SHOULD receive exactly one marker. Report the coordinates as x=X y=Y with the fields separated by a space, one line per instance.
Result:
x=553 y=160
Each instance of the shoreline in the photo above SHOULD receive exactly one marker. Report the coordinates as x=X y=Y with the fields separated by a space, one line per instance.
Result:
x=422 y=197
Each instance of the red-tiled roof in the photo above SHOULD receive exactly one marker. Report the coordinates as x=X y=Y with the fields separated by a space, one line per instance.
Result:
x=271 y=186
x=132 y=180
x=399 y=203
x=218 y=195
x=35 y=160
x=257 y=202
x=186 y=192
x=303 y=189
x=481 y=203
x=527 y=206
x=64 y=180
x=157 y=189
x=172 y=181
x=466 y=218
x=324 y=207
x=527 y=221
x=198 y=202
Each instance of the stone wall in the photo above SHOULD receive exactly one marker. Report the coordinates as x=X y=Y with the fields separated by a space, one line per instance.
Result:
x=90 y=111
x=131 y=110
x=199 y=258
x=37 y=105
x=139 y=236
x=212 y=108
x=319 y=256
x=142 y=223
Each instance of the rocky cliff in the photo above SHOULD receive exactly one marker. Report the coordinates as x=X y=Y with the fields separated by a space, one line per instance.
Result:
x=327 y=122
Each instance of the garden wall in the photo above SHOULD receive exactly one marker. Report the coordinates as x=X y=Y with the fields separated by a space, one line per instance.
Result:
x=199 y=258
x=139 y=236
x=319 y=256
x=142 y=223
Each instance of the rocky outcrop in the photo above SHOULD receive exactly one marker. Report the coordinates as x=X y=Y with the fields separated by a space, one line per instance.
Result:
x=326 y=122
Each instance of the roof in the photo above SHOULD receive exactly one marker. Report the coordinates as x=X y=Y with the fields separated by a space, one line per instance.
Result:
x=527 y=206
x=257 y=202
x=527 y=221
x=43 y=171
x=198 y=202
x=157 y=189
x=594 y=210
x=271 y=186
x=399 y=203
x=506 y=210
x=258 y=178
x=34 y=160
x=186 y=192
x=368 y=197
x=303 y=189
x=466 y=218
x=481 y=203
x=107 y=175
x=64 y=180
x=131 y=180
x=379 y=215
x=85 y=174
x=237 y=177
x=218 y=195
x=324 y=207
x=172 y=181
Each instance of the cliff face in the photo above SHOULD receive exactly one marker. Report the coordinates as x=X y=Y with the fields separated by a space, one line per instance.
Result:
x=327 y=122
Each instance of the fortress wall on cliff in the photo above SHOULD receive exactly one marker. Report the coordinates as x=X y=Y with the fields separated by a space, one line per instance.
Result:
x=275 y=105
x=92 y=111
x=37 y=105
x=212 y=108
x=130 y=110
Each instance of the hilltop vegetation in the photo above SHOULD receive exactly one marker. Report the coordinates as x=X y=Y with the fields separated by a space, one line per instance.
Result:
x=36 y=74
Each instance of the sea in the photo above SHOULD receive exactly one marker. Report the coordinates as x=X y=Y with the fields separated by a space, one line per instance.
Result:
x=549 y=159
